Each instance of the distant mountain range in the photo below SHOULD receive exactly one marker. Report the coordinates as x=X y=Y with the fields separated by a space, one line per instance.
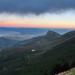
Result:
x=33 y=30
x=13 y=36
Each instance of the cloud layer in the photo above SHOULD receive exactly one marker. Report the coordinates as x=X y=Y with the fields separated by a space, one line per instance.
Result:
x=35 y=6
x=65 y=19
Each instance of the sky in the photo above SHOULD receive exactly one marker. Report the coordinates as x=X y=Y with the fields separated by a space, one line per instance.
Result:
x=37 y=13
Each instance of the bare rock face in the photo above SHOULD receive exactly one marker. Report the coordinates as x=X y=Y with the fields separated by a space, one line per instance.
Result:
x=52 y=35
x=69 y=72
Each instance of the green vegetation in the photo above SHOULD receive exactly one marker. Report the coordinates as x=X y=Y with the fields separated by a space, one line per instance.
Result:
x=73 y=73
x=58 y=59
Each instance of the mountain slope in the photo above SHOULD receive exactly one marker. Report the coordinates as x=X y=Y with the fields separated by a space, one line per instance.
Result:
x=62 y=57
x=53 y=61
x=40 y=43
x=70 y=34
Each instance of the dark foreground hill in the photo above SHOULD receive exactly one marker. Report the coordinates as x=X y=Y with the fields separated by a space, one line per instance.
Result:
x=62 y=57
x=56 y=60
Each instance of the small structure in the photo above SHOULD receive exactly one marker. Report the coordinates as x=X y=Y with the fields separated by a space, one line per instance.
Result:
x=33 y=50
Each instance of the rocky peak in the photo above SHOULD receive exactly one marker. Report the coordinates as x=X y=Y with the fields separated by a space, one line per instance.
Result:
x=52 y=34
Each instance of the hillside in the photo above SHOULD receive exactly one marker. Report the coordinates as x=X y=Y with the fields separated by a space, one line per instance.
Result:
x=41 y=43
x=62 y=57
x=53 y=61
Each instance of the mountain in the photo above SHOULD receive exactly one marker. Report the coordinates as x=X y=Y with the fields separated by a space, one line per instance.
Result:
x=55 y=60
x=10 y=36
x=38 y=44
x=51 y=35
x=10 y=39
x=15 y=35
x=70 y=34
x=34 y=30
x=60 y=58
x=41 y=43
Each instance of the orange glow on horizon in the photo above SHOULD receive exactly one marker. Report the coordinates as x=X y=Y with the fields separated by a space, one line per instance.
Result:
x=39 y=24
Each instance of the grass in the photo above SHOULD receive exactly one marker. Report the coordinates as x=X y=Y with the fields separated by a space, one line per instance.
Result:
x=73 y=72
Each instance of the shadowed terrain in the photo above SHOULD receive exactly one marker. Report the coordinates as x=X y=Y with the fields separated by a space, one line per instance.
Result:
x=23 y=61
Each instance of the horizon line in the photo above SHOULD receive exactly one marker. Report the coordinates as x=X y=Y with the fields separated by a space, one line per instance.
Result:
x=33 y=27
